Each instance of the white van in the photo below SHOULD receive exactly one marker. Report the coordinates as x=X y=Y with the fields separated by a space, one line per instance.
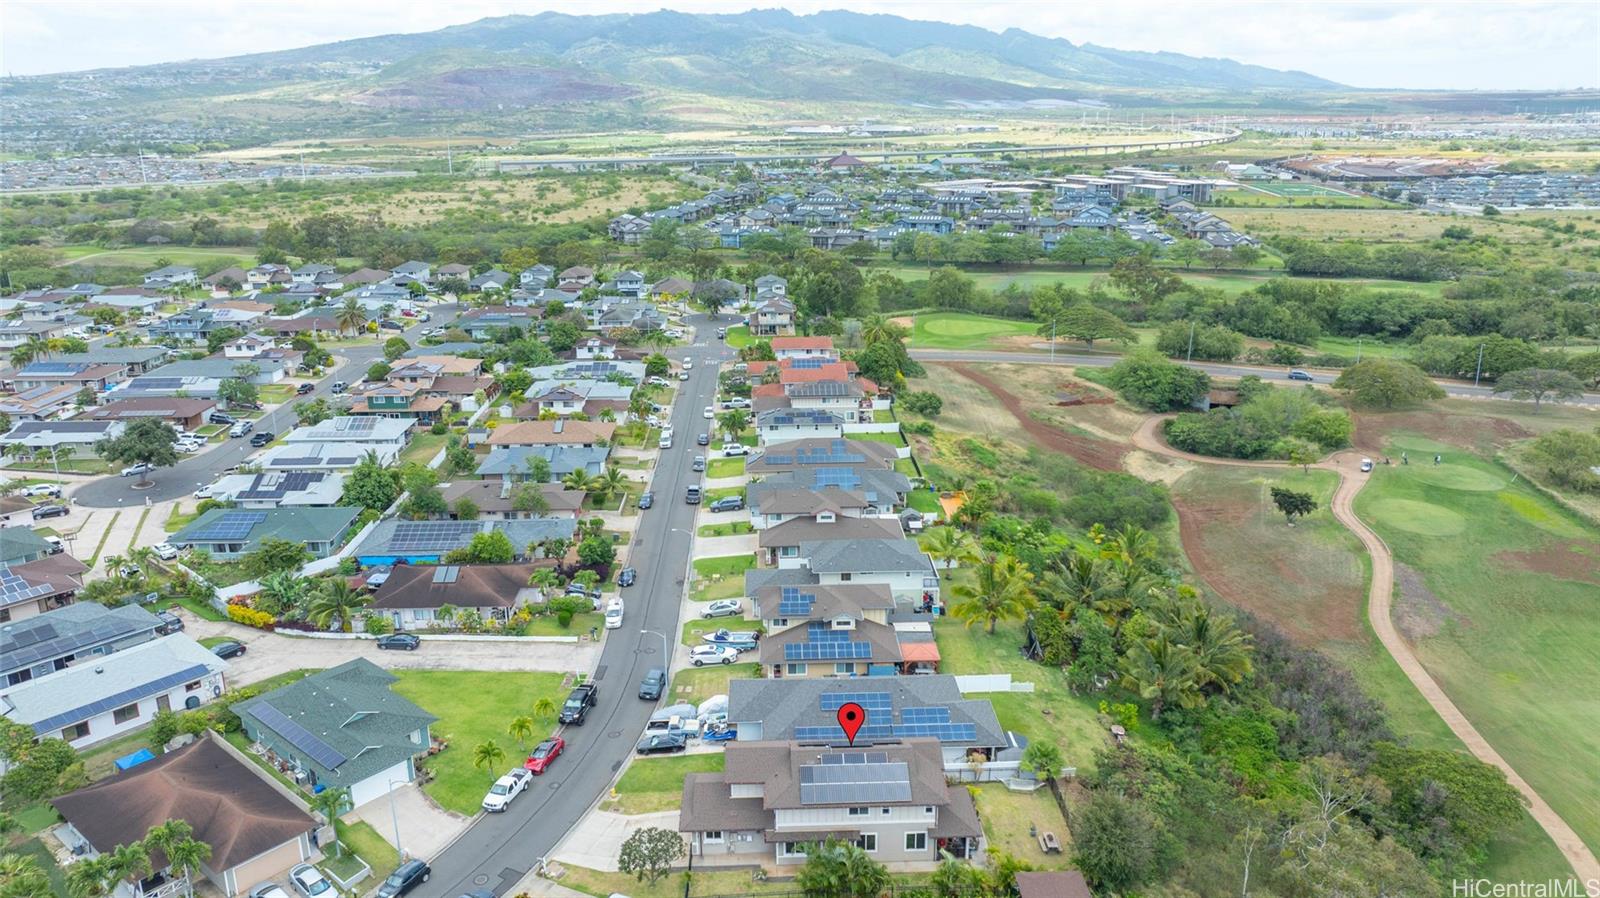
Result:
x=614 y=615
x=666 y=440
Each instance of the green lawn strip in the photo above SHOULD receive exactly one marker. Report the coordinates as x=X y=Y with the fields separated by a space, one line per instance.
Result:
x=275 y=393
x=704 y=682
x=104 y=535
x=722 y=493
x=893 y=439
x=550 y=625
x=177 y=520
x=724 y=467
x=906 y=467
x=1507 y=628
x=68 y=466
x=139 y=527
x=36 y=817
x=363 y=840
x=705 y=883
x=1007 y=817
x=720 y=577
x=732 y=528
x=423 y=447
x=739 y=337
x=656 y=784
x=473 y=707
x=925 y=501
x=198 y=607
x=58 y=878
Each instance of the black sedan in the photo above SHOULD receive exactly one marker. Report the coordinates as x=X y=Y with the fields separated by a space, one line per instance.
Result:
x=662 y=743
x=304 y=389
x=628 y=577
x=646 y=499
x=399 y=641
x=262 y=438
x=49 y=511
x=229 y=649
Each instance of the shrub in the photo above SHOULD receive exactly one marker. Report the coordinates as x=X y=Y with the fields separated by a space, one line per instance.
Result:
x=1149 y=380
x=919 y=428
x=564 y=618
x=924 y=402
x=250 y=617
x=377 y=624
x=439 y=429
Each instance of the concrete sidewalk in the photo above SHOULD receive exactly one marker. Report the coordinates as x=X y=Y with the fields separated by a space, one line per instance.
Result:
x=597 y=839
x=424 y=827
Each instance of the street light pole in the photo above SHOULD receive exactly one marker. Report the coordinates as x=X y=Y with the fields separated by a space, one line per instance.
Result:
x=666 y=650
x=394 y=817
x=1478 y=372
x=1189 y=357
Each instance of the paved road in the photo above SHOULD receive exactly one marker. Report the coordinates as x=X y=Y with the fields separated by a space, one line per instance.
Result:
x=1097 y=360
x=1380 y=593
x=498 y=850
x=205 y=467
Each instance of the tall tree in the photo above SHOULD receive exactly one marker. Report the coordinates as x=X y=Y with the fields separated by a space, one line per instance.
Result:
x=488 y=754
x=1001 y=588
x=1293 y=503
x=147 y=441
x=648 y=853
x=1386 y=383
x=1163 y=673
x=1090 y=323
x=350 y=317
x=1221 y=650
x=838 y=869
x=950 y=546
x=175 y=839
x=336 y=602
x=330 y=804
x=1539 y=384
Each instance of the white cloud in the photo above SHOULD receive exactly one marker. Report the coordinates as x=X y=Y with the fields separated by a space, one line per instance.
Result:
x=1486 y=45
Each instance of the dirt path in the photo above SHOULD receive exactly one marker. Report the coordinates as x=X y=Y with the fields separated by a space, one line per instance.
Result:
x=1095 y=453
x=1379 y=599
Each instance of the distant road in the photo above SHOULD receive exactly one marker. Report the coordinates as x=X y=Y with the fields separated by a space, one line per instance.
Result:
x=213 y=182
x=1455 y=388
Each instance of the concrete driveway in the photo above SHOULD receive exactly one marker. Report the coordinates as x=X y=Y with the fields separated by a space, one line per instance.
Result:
x=423 y=827
x=270 y=654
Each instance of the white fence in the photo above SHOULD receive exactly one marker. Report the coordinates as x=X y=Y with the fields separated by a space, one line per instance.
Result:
x=871 y=427
x=977 y=683
x=990 y=772
x=441 y=637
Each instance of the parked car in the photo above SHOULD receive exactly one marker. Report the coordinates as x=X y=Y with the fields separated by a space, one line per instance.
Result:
x=692 y=494
x=735 y=450
x=505 y=789
x=310 y=882
x=241 y=428
x=614 y=614
x=222 y=418
x=662 y=743
x=627 y=577
x=728 y=503
x=166 y=551
x=578 y=703
x=129 y=571
x=544 y=754
x=722 y=608
x=56 y=547
x=169 y=623
x=665 y=442
x=338 y=387
x=406 y=642
x=657 y=381
x=709 y=413
x=1298 y=374
x=653 y=684
x=50 y=511
x=688 y=363
x=722 y=333
x=701 y=655
x=391 y=325
x=699 y=463
x=578 y=589
x=304 y=389
x=736 y=402
x=1366 y=465
x=703 y=439
x=683 y=375
x=646 y=499
x=52 y=490
x=229 y=649
x=268 y=890
x=262 y=438
x=140 y=468
x=411 y=874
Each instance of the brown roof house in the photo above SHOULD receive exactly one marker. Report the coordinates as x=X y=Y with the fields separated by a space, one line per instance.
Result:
x=498 y=498
x=774 y=798
x=559 y=432
x=1053 y=884
x=255 y=829
x=413 y=594
x=185 y=413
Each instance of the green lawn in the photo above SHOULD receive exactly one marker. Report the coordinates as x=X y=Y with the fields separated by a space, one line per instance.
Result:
x=706 y=883
x=36 y=817
x=474 y=707
x=730 y=529
x=704 y=682
x=423 y=447
x=1007 y=815
x=66 y=466
x=720 y=577
x=656 y=783
x=1515 y=582
x=58 y=879
x=924 y=501
x=739 y=337
x=724 y=467
x=962 y=330
x=1080 y=278
x=550 y=625
x=722 y=493
x=362 y=839
x=135 y=256
x=276 y=393
x=212 y=642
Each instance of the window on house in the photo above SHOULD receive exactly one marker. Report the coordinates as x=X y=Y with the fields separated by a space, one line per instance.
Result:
x=125 y=714
x=714 y=835
x=789 y=551
x=795 y=670
x=860 y=812
x=844 y=578
x=917 y=841
x=927 y=809
x=191 y=687
x=844 y=668
x=77 y=731
x=930 y=582
x=868 y=841
x=777 y=622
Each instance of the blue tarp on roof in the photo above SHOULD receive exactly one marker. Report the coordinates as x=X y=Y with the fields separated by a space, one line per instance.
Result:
x=135 y=759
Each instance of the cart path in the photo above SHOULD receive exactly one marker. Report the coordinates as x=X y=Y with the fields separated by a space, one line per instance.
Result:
x=1380 y=596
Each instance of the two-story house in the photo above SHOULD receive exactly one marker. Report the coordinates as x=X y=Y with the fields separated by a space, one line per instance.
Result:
x=803 y=347
x=41 y=645
x=773 y=316
x=773 y=799
x=783 y=424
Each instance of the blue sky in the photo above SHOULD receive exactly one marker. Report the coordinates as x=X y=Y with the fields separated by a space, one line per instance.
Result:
x=1482 y=45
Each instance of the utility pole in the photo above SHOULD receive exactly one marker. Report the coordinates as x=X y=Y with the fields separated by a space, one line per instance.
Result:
x=1052 y=342
x=1189 y=356
x=449 y=156
x=1358 y=350
x=1479 y=371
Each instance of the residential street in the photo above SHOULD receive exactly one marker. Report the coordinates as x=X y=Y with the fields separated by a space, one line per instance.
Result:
x=202 y=468
x=496 y=851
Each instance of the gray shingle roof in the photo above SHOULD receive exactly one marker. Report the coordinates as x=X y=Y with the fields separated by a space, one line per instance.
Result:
x=71 y=695
x=865 y=555
x=66 y=630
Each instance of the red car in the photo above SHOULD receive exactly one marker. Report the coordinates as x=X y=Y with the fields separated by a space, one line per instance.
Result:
x=544 y=753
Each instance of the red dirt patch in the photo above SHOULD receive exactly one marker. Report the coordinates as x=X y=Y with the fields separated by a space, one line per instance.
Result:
x=1568 y=560
x=1092 y=452
x=1483 y=433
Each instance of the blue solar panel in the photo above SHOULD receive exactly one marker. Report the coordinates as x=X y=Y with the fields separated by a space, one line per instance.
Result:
x=432 y=536
x=944 y=732
x=232 y=525
x=833 y=650
x=925 y=715
x=795 y=603
x=873 y=702
x=810 y=364
x=120 y=699
x=298 y=736
x=836 y=478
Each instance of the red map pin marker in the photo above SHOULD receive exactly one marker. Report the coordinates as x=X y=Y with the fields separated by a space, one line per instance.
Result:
x=851 y=717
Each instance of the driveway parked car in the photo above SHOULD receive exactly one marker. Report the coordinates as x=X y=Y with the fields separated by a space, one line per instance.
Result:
x=722 y=608
x=728 y=503
x=268 y=890
x=169 y=623
x=410 y=875
x=389 y=325
x=544 y=754
x=702 y=655
x=166 y=552
x=42 y=489
x=50 y=511
x=310 y=882
x=229 y=649
x=662 y=743
x=735 y=450
x=400 y=641
x=140 y=468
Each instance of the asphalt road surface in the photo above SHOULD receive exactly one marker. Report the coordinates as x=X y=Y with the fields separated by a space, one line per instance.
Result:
x=195 y=471
x=1095 y=360
x=499 y=849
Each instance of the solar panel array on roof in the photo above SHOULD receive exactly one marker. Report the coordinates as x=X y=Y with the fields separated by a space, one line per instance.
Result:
x=836 y=478
x=809 y=364
x=298 y=736
x=43 y=642
x=15 y=589
x=232 y=525
x=125 y=697
x=354 y=424
x=56 y=367
x=446 y=574
x=432 y=536
x=873 y=702
x=855 y=778
x=794 y=603
x=823 y=644
x=159 y=383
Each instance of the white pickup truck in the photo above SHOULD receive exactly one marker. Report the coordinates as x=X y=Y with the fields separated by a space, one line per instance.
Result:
x=505 y=789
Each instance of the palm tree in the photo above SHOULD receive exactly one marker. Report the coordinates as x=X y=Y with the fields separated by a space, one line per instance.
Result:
x=90 y=877
x=129 y=861
x=544 y=707
x=610 y=483
x=335 y=602
x=175 y=839
x=113 y=562
x=734 y=423
x=520 y=729
x=656 y=338
x=879 y=329
x=143 y=557
x=20 y=875
x=950 y=546
x=578 y=479
x=1163 y=673
x=328 y=803
x=446 y=614
x=1221 y=651
x=1079 y=578
x=1134 y=547
x=60 y=454
x=1002 y=588
x=285 y=588
x=488 y=754
x=350 y=316
x=638 y=407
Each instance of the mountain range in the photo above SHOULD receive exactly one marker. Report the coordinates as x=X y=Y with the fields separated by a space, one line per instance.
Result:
x=532 y=71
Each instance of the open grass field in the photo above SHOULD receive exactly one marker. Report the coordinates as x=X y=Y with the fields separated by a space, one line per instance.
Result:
x=474 y=707
x=961 y=330
x=1295 y=188
x=1504 y=610
x=1006 y=816
x=720 y=577
x=696 y=684
x=1230 y=282
x=134 y=256
x=656 y=784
